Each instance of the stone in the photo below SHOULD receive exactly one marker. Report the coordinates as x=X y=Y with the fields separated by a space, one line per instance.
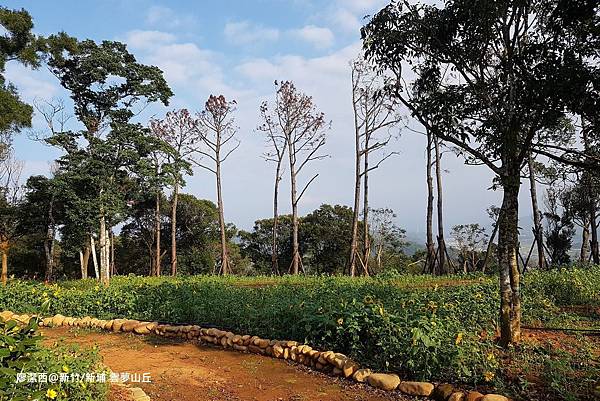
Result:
x=241 y=348
x=318 y=366
x=255 y=349
x=141 y=328
x=350 y=367
x=262 y=343
x=457 y=397
x=361 y=375
x=58 y=320
x=7 y=315
x=277 y=351
x=47 y=321
x=117 y=324
x=286 y=353
x=494 y=397
x=474 y=396
x=129 y=325
x=339 y=361
x=85 y=322
x=338 y=372
x=384 y=381
x=237 y=339
x=152 y=326
x=416 y=388
x=442 y=392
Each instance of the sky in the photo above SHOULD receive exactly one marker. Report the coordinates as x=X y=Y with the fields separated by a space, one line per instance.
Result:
x=238 y=48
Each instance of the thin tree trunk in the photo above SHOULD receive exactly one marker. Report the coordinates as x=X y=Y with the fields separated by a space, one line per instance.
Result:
x=594 y=248
x=87 y=250
x=508 y=243
x=431 y=257
x=489 y=246
x=537 y=216
x=440 y=212
x=224 y=255
x=83 y=272
x=4 y=263
x=355 y=215
x=157 y=234
x=48 y=252
x=112 y=253
x=94 y=257
x=174 y=228
x=274 y=250
x=103 y=249
x=366 y=237
x=295 y=268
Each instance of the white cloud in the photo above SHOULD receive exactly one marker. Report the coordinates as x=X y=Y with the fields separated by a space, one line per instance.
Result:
x=244 y=32
x=164 y=16
x=138 y=39
x=319 y=37
x=31 y=84
x=346 y=20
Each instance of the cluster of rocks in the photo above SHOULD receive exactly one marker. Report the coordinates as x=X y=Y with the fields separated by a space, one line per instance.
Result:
x=325 y=361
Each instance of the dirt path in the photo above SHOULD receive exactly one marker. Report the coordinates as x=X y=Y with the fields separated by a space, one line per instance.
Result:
x=190 y=372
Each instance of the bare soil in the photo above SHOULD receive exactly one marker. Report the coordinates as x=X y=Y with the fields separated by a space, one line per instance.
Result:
x=185 y=371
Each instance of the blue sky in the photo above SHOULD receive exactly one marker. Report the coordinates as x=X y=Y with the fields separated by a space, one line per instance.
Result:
x=238 y=48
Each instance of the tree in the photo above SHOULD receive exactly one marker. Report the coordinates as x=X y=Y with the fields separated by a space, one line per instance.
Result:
x=105 y=82
x=178 y=129
x=387 y=238
x=559 y=230
x=470 y=239
x=217 y=130
x=303 y=129
x=17 y=44
x=10 y=199
x=257 y=244
x=374 y=110
x=501 y=76
x=276 y=143
x=538 y=231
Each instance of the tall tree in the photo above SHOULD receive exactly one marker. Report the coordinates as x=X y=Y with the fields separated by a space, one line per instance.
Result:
x=178 y=129
x=276 y=153
x=303 y=130
x=374 y=110
x=431 y=259
x=538 y=230
x=513 y=73
x=105 y=82
x=217 y=130
x=442 y=251
x=10 y=201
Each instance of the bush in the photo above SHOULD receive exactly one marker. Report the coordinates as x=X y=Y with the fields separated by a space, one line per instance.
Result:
x=20 y=353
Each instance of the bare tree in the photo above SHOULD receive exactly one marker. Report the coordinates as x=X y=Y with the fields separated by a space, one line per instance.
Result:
x=538 y=230
x=303 y=130
x=442 y=252
x=10 y=187
x=217 y=130
x=276 y=153
x=430 y=261
x=374 y=110
x=178 y=129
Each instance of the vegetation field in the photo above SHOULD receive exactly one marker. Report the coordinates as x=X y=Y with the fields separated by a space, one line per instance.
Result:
x=421 y=327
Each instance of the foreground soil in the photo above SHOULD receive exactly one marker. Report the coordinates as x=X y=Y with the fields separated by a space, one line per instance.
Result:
x=189 y=372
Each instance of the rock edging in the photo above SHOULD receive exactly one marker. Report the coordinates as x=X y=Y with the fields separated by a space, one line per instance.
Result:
x=329 y=362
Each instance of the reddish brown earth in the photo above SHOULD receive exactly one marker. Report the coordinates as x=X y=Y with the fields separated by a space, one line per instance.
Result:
x=185 y=371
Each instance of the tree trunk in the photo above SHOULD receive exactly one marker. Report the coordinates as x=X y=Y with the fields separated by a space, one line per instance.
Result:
x=537 y=216
x=112 y=253
x=594 y=235
x=489 y=246
x=103 y=250
x=174 y=228
x=83 y=272
x=508 y=243
x=224 y=255
x=157 y=234
x=274 y=250
x=94 y=257
x=4 y=251
x=585 y=243
x=87 y=250
x=430 y=262
x=49 y=253
x=295 y=267
x=366 y=237
x=440 y=211
x=355 y=215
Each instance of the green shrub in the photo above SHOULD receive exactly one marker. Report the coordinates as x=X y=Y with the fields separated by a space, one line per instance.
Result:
x=20 y=354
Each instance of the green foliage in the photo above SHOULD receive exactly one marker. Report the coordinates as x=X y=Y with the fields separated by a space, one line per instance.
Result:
x=20 y=353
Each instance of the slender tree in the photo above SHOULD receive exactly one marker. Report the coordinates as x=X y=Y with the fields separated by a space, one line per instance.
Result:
x=374 y=110
x=304 y=131
x=441 y=252
x=178 y=129
x=430 y=261
x=217 y=130
x=275 y=154
x=538 y=230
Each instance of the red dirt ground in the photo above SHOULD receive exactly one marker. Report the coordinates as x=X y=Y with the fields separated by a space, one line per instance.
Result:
x=185 y=371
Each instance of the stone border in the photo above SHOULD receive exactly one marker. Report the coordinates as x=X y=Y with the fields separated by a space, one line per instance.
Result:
x=135 y=393
x=329 y=362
